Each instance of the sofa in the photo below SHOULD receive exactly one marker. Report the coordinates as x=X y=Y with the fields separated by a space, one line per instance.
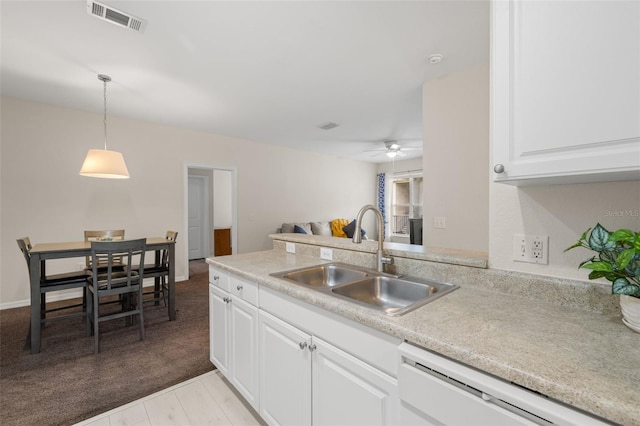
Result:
x=341 y=228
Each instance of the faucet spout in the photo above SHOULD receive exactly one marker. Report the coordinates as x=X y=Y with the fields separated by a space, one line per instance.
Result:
x=357 y=234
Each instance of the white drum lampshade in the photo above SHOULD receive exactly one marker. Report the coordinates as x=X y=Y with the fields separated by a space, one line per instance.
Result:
x=102 y=163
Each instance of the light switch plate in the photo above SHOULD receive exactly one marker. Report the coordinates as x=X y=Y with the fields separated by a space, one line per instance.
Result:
x=531 y=248
x=440 y=222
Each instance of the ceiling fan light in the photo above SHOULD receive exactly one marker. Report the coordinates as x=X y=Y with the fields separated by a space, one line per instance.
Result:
x=102 y=163
x=391 y=154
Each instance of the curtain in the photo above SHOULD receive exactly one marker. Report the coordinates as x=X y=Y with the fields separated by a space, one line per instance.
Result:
x=382 y=203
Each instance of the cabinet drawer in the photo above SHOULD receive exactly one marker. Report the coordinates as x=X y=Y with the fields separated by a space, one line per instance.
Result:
x=218 y=279
x=246 y=290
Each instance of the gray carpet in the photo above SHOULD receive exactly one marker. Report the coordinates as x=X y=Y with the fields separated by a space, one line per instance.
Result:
x=66 y=383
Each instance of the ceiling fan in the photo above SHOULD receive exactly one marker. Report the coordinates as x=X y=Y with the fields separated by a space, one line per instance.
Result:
x=392 y=149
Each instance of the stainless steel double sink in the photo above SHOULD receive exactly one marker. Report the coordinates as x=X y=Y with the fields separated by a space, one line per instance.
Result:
x=393 y=295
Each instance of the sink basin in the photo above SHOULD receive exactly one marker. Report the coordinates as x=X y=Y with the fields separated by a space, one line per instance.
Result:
x=328 y=275
x=393 y=296
x=390 y=294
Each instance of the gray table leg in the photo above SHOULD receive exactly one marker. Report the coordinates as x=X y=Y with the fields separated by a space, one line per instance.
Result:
x=34 y=273
x=172 y=282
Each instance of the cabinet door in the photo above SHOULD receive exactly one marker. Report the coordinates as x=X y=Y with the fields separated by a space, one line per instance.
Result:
x=285 y=372
x=565 y=91
x=346 y=390
x=243 y=349
x=218 y=329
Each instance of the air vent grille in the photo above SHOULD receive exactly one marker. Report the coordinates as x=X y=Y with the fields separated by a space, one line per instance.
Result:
x=328 y=125
x=115 y=16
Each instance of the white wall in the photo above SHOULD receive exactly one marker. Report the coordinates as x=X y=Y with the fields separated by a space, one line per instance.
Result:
x=563 y=212
x=43 y=197
x=456 y=159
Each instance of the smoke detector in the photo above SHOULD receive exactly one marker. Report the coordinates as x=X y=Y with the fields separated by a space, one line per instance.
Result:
x=115 y=16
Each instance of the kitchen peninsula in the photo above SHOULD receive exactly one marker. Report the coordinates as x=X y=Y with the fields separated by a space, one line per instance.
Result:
x=559 y=338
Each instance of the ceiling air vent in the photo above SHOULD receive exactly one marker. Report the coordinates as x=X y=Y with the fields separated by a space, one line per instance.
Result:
x=115 y=16
x=328 y=125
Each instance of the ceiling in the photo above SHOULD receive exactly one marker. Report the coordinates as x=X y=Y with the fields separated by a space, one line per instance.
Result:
x=268 y=71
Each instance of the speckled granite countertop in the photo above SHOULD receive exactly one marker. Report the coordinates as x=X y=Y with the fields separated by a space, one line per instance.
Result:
x=588 y=360
x=477 y=259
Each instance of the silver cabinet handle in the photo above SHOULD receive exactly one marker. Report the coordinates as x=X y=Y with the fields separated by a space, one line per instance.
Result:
x=302 y=345
x=498 y=168
x=226 y=299
x=312 y=348
x=216 y=278
x=239 y=287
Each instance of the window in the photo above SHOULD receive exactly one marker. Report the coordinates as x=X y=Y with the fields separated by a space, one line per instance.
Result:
x=406 y=202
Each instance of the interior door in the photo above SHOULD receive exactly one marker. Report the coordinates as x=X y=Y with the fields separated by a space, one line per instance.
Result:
x=197 y=216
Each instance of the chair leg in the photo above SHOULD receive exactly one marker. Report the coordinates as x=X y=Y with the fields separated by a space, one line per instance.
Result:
x=162 y=287
x=89 y=312
x=43 y=307
x=140 y=313
x=96 y=323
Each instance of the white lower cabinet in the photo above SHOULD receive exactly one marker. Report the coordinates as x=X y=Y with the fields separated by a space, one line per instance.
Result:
x=349 y=391
x=306 y=380
x=285 y=372
x=233 y=325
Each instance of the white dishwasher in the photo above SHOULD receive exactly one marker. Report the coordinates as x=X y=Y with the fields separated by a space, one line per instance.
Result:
x=437 y=391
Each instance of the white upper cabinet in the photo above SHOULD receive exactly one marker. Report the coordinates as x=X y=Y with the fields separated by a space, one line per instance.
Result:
x=565 y=91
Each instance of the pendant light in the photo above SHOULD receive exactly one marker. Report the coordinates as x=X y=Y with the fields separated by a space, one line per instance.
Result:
x=102 y=163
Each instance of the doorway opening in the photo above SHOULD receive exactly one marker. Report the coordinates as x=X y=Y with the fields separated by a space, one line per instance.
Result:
x=210 y=211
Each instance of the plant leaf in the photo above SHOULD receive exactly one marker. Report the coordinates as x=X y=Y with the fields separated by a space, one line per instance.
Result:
x=636 y=242
x=623 y=286
x=578 y=244
x=594 y=275
x=599 y=239
x=598 y=266
x=624 y=258
x=624 y=235
x=581 y=242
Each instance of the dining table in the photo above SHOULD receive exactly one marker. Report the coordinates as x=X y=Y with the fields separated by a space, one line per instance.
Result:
x=40 y=253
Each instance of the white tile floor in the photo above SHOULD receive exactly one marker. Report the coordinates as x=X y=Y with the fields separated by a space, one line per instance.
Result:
x=205 y=400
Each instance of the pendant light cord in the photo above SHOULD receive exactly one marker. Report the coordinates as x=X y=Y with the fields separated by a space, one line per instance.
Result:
x=105 y=79
x=105 y=114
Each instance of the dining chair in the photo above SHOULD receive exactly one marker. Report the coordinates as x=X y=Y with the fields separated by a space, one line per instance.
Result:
x=56 y=282
x=110 y=279
x=103 y=235
x=161 y=271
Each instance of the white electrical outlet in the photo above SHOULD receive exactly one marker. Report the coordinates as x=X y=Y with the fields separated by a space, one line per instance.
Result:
x=531 y=248
x=326 y=253
x=291 y=248
x=440 y=222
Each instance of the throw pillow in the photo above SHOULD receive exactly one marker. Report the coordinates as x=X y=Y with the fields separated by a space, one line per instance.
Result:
x=351 y=228
x=336 y=227
x=298 y=230
x=321 y=228
x=287 y=228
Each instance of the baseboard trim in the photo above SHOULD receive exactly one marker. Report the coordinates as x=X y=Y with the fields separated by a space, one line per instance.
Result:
x=72 y=294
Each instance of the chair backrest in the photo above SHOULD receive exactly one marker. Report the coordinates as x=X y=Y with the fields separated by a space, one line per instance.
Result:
x=171 y=236
x=104 y=255
x=25 y=248
x=103 y=235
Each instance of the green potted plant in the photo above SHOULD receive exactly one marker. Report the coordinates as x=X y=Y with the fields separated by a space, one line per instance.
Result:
x=617 y=260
